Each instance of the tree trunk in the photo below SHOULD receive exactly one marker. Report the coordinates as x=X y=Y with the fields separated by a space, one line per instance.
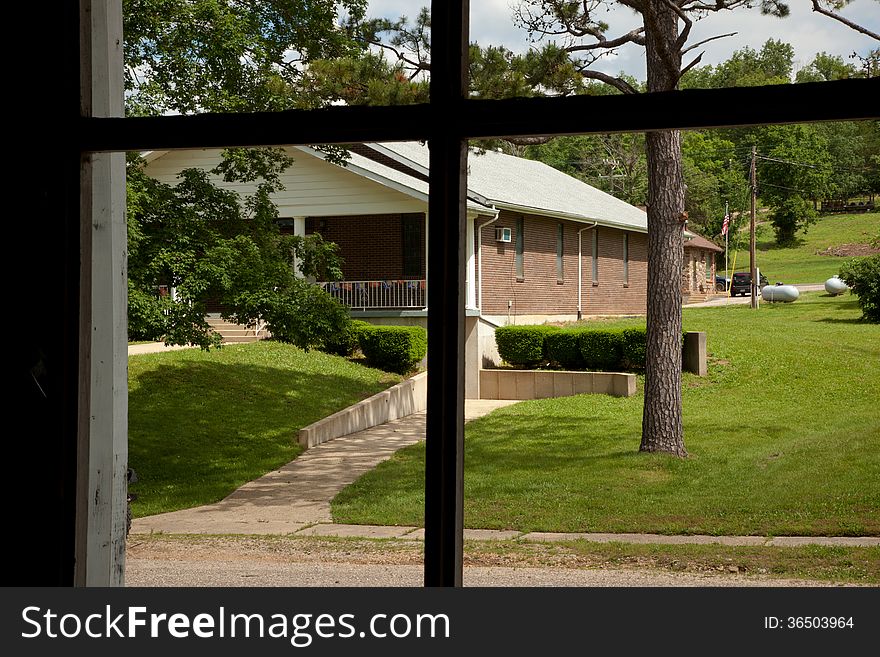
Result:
x=661 y=421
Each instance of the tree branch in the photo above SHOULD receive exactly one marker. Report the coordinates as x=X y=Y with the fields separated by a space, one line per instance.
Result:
x=690 y=66
x=633 y=36
x=418 y=65
x=617 y=83
x=700 y=43
x=858 y=28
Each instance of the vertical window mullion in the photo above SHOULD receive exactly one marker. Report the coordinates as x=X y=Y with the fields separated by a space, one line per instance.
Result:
x=447 y=193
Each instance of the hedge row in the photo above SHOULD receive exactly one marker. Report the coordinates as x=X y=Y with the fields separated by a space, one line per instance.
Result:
x=572 y=348
x=390 y=348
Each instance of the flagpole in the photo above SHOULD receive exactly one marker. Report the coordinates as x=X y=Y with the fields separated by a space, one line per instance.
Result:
x=726 y=250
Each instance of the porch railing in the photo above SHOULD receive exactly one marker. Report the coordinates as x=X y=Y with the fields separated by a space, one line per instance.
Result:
x=366 y=295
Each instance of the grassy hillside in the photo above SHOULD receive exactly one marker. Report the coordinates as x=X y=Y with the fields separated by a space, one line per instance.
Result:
x=800 y=263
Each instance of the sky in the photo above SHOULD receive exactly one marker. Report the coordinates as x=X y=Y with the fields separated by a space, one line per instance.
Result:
x=807 y=32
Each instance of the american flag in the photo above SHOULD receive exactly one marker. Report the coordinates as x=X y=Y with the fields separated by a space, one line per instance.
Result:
x=726 y=224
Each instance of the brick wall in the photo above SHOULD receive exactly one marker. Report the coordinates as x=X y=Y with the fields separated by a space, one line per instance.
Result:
x=371 y=245
x=539 y=292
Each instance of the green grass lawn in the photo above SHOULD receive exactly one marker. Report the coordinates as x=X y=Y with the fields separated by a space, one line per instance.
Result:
x=783 y=436
x=203 y=423
x=799 y=263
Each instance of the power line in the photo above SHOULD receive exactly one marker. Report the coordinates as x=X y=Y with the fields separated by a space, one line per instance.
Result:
x=812 y=166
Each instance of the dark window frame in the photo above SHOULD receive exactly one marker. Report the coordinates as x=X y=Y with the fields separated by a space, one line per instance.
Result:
x=839 y=100
x=625 y=259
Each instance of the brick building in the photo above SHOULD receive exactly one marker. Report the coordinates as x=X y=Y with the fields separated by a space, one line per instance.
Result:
x=541 y=245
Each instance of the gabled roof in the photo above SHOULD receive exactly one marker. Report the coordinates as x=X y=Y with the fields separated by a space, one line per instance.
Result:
x=529 y=186
x=700 y=242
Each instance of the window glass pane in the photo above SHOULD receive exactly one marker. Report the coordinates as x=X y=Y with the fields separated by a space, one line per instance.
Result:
x=225 y=56
x=626 y=257
x=546 y=55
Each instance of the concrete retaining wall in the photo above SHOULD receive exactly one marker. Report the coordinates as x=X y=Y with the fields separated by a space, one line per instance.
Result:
x=405 y=398
x=540 y=384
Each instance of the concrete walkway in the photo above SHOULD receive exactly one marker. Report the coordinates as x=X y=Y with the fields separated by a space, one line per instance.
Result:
x=298 y=494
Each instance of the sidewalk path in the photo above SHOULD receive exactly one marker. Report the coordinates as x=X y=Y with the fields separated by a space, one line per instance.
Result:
x=299 y=493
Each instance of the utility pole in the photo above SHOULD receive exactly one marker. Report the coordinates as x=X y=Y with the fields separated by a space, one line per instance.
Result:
x=752 y=267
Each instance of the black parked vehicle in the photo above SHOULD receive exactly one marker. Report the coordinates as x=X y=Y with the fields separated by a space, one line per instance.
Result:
x=722 y=283
x=742 y=283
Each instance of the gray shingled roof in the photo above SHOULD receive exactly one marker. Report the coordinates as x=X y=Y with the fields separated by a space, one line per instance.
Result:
x=527 y=185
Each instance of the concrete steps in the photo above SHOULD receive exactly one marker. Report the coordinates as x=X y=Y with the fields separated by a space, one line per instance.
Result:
x=235 y=333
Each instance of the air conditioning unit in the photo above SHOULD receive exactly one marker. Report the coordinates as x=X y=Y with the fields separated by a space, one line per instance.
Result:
x=502 y=235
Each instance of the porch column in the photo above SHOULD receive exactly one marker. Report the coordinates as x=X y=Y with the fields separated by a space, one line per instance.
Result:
x=299 y=229
x=471 y=269
x=102 y=444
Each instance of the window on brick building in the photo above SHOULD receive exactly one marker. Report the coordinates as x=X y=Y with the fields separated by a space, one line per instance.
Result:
x=520 y=249
x=596 y=256
x=710 y=265
x=560 y=233
x=626 y=258
x=411 y=243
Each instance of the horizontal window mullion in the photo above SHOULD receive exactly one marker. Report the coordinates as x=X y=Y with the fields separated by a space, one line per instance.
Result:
x=693 y=108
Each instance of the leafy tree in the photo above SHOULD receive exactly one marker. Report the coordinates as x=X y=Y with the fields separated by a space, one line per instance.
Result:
x=714 y=180
x=863 y=277
x=209 y=243
x=204 y=241
x=824 y=68
x=794 y=173
x=613 y=163
x=223 y=55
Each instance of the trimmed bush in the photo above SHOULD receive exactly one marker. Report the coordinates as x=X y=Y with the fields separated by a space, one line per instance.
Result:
x=863 y=277
x=393 y=348
x=634 y=344
x=563 y=349
x=523 y=346
x=602 y=349
x=346 y=341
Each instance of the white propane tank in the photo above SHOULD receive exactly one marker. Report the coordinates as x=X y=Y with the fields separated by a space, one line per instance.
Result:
x=835 y=286
x=783 y=293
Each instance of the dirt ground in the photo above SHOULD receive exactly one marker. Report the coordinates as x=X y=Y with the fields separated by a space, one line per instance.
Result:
x=293 y=562
x=849 y=250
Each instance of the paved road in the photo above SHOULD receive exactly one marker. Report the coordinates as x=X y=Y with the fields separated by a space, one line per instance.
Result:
x=738 y=301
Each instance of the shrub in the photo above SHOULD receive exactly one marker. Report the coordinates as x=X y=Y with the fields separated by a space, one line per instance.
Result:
x=394 y=348
x=563 y=349
x=863 y=277
x=602 y=349
x=301 y=314
x=347 y=340
x=523 y=346
x=634 y=344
